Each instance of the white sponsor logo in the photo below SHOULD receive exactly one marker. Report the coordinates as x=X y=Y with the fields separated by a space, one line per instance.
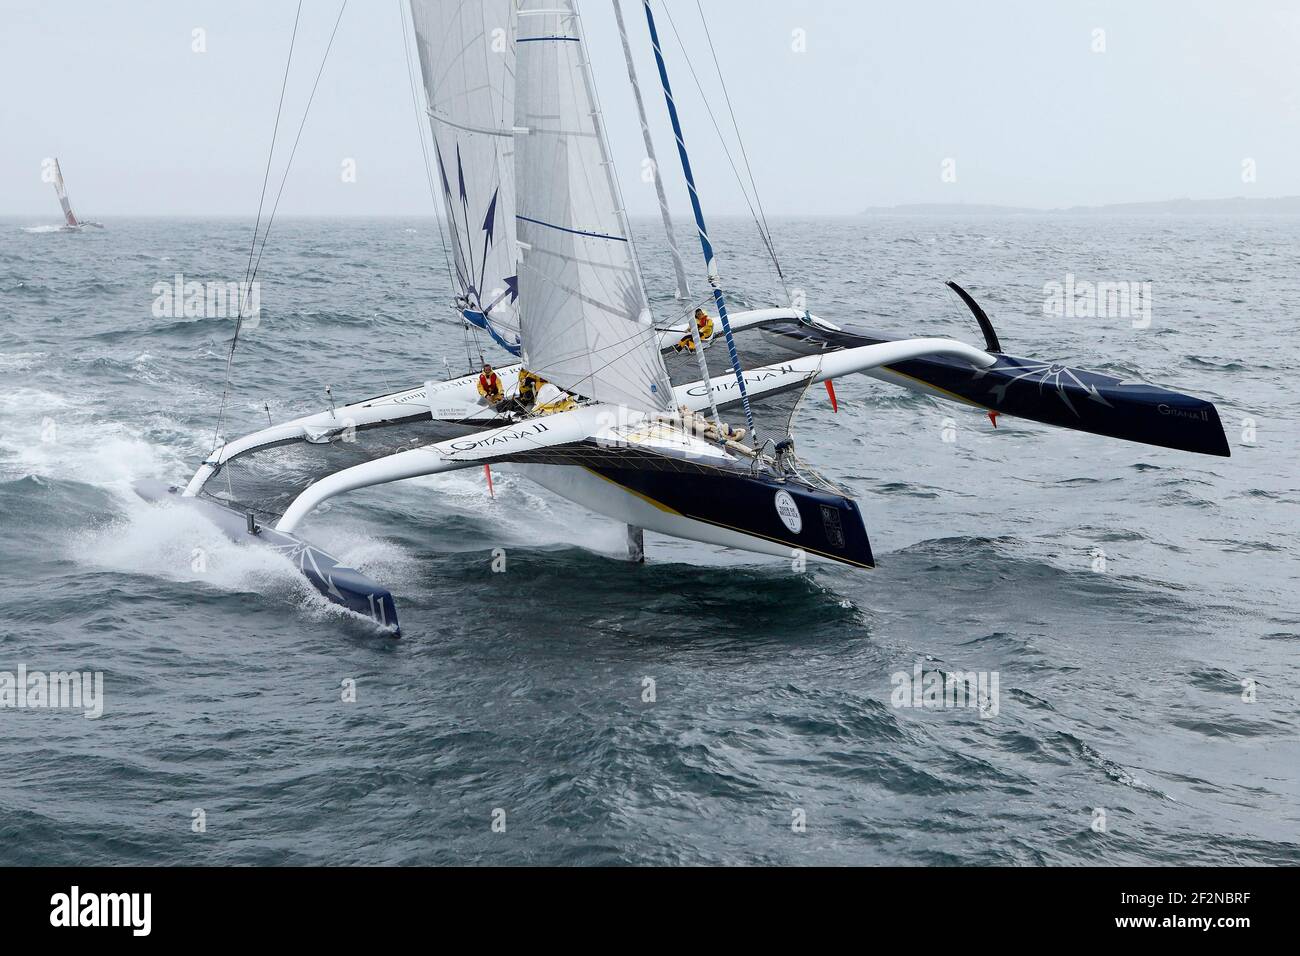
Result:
x=452 y=412
x=789 y=512
x=501 y=437
x=724 y=383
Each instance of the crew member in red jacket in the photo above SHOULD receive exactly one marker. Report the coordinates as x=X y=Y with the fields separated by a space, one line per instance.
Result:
x=489 y=385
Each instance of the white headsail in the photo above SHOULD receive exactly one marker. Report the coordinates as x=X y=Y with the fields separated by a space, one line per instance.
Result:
x=467 y=59
x=587 y=325
x=62 y=192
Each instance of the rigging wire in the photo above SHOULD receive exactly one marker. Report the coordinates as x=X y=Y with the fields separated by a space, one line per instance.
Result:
x=266 y=176
x=289 y=165
x=505 y=95
x=767 y=245
x=765 y=229
x=472 y=336
x=252 y=277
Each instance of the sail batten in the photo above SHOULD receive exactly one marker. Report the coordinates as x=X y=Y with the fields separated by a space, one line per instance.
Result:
x=485 y=130
x=587 y=326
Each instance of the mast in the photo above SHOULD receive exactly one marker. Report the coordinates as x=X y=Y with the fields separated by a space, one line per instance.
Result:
x=705 y=245
x=683 y=287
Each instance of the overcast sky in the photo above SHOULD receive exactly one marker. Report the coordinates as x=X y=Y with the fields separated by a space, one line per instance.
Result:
x=866 y=113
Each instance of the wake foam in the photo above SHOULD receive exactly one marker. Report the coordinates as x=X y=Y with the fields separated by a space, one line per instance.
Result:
x=173 y=543
x=50 y=435
x=523 y=512
x=56 y=437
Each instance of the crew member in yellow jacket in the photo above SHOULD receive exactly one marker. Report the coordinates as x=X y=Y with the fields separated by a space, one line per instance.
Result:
x=530 y=383
x=705 y=326
x=551 y=400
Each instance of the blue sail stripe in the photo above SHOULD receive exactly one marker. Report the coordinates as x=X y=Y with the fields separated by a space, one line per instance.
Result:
x=576 y=232
x=479 y=320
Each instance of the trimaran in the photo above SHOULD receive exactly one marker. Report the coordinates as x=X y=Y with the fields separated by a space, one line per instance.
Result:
x=543 y=262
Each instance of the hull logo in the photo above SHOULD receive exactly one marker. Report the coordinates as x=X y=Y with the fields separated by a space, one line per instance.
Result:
x=834 y=529
x=788 y=512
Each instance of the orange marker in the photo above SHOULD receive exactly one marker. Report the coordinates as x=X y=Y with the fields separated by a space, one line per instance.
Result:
x=830 y=390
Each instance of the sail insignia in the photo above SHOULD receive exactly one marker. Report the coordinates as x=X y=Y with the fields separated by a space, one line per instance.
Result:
x=467 y=61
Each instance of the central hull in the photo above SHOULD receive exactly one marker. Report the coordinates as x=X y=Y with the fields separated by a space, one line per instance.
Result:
x=759 y=514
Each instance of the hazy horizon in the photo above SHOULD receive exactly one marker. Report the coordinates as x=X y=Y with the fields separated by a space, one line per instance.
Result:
x=683 y=216
x=860 y=109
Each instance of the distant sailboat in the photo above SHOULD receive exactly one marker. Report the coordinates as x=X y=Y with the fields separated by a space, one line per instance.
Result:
x=71 y=223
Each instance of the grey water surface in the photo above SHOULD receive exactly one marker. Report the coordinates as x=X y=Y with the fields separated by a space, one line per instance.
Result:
x=1137 y=605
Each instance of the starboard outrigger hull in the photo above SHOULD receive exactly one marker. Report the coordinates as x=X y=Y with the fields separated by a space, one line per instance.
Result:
x=1046 y=392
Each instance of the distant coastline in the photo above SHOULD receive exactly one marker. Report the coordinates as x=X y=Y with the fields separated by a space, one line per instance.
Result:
x=1237 y=205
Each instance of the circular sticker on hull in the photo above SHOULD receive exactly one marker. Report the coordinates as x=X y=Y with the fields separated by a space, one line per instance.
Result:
x=788 y=512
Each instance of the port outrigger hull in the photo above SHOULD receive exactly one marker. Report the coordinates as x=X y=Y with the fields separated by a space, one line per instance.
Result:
x=341 y=584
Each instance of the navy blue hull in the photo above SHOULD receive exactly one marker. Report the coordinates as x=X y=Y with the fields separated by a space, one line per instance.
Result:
x=821 y=523
x=1046 y=392
x=343 y=585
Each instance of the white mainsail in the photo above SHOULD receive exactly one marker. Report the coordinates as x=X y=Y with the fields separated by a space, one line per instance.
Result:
x=62 y=193
x=587 y=325
x=467 y=60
